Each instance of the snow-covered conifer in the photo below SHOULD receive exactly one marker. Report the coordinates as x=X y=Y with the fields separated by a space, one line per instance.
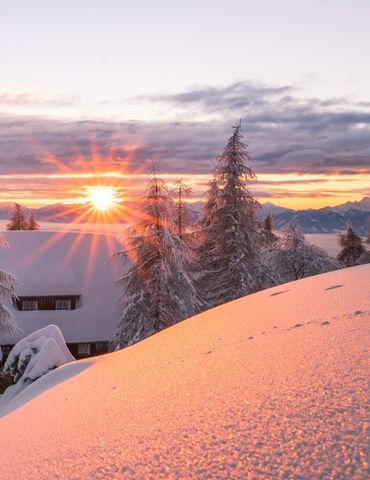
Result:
x=182 y=215
x=267 y=228
x=230 y=262
x=157 y=290
x=291 y=257
x=352 y=247
x=8 y=285
x=32 y=223
x=17 y=220
x=211 y=204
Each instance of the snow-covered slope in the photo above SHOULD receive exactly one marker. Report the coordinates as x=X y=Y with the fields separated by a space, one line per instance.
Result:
x=274 y=385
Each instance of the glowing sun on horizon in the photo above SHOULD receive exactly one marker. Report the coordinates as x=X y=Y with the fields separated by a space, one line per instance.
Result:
x=102 y=198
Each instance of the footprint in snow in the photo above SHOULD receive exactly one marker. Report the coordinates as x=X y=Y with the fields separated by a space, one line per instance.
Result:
x=297 y=325
x=359 y=312
x=333 y=286
x=278 y=293
x=325 y=323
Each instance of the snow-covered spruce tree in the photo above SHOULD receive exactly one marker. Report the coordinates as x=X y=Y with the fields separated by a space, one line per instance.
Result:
x=32 y=223
x=352 y=247
x=17 y=220
x=211 y=204
x=228 y=255
x=291 y=257
x=204 y=241
x=8 y=285
x=157 y=291
x=182 y=217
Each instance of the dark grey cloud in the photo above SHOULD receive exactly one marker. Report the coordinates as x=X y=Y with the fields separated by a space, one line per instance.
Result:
x=284 y=134
x=236 y=96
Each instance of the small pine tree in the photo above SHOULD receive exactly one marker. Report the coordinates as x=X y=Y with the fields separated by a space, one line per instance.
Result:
x=203 y=235
x=182 y=214
x=211 y=204
x=8 y=285
x=157 y=291
x=352 y=247
x=32 y=223
x=17 y=220
x=267 y=227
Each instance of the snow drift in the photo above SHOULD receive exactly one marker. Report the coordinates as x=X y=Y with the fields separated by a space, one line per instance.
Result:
x=274 y=385
x=35 y=356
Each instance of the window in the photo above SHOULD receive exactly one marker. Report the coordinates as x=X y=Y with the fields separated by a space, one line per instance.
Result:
x=47 y=302
x=83 y=349
x=63 y=305
x=29 y=305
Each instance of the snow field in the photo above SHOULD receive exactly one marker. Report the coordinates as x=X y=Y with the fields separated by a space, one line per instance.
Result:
x=274 y=385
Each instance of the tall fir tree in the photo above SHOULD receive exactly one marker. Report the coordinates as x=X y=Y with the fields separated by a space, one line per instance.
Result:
x=8 y=285
x=182 y=217
x=352 y=247
x=157 y=289
x=230 y=264
x=17 y=220
x=32 y=223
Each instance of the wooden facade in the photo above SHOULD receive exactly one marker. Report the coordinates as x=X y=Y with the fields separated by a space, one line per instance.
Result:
x=48 y=302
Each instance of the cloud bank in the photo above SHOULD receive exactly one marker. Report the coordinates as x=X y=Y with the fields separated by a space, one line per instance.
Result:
x=285 y=134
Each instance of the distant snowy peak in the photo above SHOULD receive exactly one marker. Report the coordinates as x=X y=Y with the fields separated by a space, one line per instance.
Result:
x=362 y=205
x=274 y=209
x=325 y=220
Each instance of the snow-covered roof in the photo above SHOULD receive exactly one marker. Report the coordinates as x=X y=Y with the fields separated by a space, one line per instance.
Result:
x=48 y=264
x=273 y=385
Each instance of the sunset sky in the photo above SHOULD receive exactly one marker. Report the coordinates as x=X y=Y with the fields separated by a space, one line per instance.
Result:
x=92 y=91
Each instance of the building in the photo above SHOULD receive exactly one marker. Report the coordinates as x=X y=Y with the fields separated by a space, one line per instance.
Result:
x=67 y=279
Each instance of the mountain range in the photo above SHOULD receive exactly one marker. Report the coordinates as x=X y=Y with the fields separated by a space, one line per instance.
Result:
x=323 y=220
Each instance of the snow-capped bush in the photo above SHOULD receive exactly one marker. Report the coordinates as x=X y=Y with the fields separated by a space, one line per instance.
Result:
x=292 y=258
x=34 y=356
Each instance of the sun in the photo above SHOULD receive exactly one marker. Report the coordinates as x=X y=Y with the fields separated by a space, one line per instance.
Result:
x=102 y=198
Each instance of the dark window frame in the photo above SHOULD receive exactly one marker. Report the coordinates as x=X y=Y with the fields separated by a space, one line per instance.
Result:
x=47 y=302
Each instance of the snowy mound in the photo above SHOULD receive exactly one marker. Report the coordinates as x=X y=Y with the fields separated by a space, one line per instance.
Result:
x=270 y=386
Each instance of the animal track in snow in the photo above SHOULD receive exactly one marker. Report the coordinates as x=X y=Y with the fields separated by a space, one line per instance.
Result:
x=278 y=293
x=333 y=286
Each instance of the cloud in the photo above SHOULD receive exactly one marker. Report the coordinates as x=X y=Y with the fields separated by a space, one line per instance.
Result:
x=14 y=99
x=233 y=97
x=285 y=134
